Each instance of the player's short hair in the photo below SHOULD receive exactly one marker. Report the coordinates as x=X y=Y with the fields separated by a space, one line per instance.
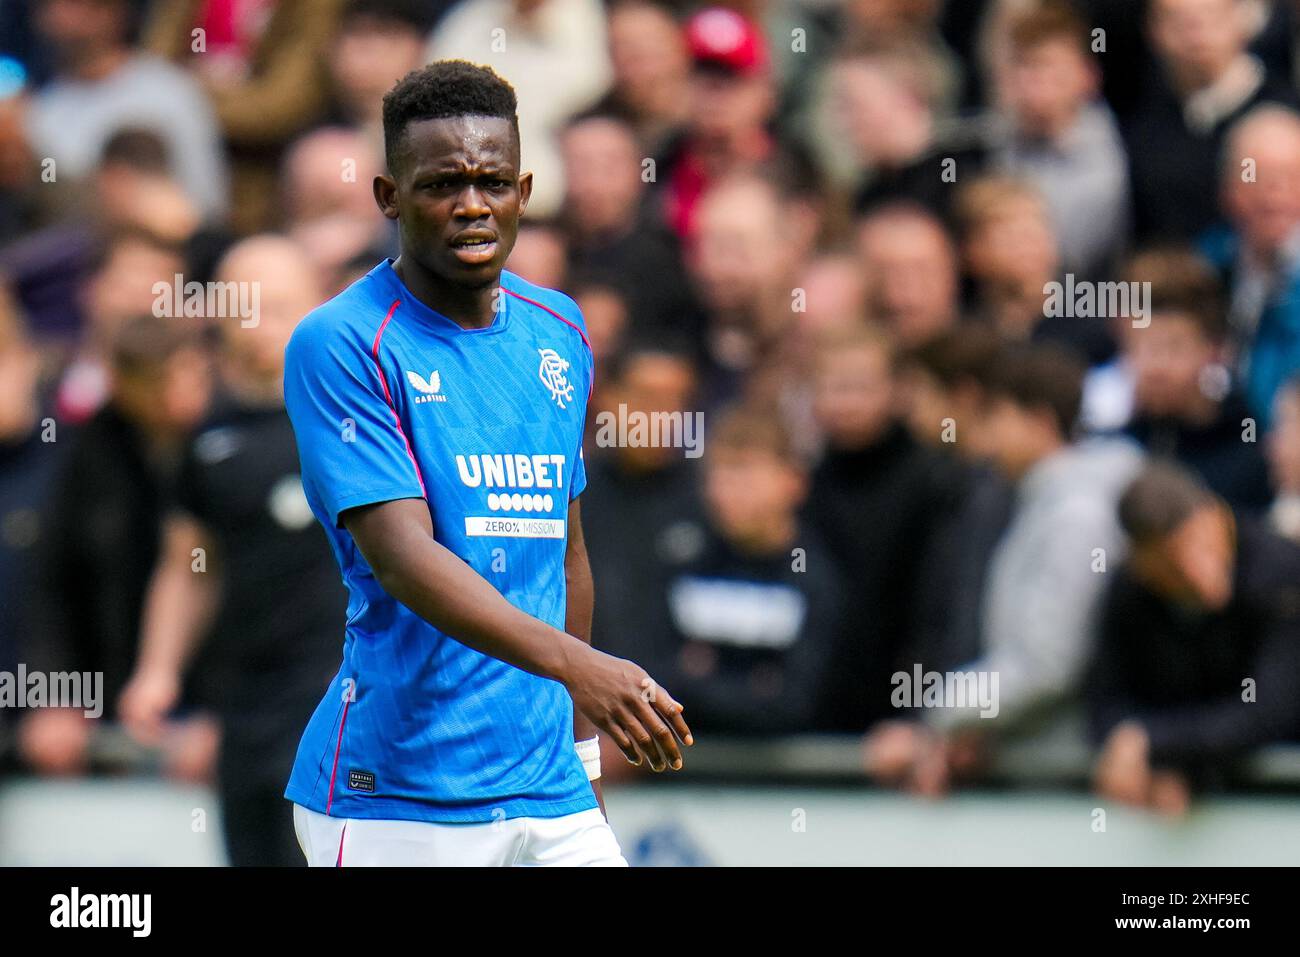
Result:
x=445 y=88
x=1159 y=500
x=1183 y=283
x=1040 y=376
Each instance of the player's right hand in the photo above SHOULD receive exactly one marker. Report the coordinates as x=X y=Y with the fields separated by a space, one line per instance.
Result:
x=626 y=703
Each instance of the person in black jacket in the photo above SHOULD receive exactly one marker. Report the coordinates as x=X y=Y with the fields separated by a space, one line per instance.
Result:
x=872 y=500
x=1199 y=649
x=245 y=595
x=1185 y=405
x=757 y=614
x=945 y=388
x=643 y=519
x=104 y=528
x=1206 y=80
x=29 y=458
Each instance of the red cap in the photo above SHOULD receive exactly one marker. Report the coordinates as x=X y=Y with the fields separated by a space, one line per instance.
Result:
x=721 y=37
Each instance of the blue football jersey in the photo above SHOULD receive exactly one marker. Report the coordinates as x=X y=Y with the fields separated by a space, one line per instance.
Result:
x=390 y=399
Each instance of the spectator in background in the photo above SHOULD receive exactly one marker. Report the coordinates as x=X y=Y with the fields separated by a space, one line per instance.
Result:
x=135 y=189
x=101 y=85
x=943 y=384
x=1284 y=461
x=870 y=502
x=132 y=191
x=606 y=313
x=121 y=287
x=911 y=272
x=733 y=99
x=1062 y=138
x=650 y=89
x=611 y=232
x=1043 y=592
x=1185 y=404
x=239 y=498
x=1199 y=657
x=1011 y=253
x=835 y=292
x=1259 y=252
x=644 y=492
x=642 y=516
x=329 y=203
x=106 y=511
x=24 y=206
x=555 y=55
x=743 y=268
x=376 y=44
x=879 y=128
x=756 y=615
x=1176 y=130
x=914 y=20
x=29 y=456
x=540 y=255
x=832 y=295
x=263 y=68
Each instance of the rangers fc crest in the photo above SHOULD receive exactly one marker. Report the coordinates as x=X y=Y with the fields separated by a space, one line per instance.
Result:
x=552 y=373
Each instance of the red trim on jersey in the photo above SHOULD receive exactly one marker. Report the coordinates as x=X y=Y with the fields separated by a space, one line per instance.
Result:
x=383 y=380
x=338 y=861
x=337 y=748
x=573 y=325
x=576 y=328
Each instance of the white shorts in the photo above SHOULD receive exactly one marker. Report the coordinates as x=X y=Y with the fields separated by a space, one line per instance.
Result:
x=574 y=840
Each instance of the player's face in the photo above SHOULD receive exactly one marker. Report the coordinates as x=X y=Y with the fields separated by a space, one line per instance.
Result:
x=457 y=195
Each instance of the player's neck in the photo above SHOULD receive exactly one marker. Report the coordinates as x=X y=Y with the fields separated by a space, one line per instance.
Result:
x=469 y=308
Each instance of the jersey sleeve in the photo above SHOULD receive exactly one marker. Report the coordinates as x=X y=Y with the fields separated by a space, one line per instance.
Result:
x=579 y=476
x=589 y=361
x=351 y=446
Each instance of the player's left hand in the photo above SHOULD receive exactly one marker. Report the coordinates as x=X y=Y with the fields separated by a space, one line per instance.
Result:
x=628 y=705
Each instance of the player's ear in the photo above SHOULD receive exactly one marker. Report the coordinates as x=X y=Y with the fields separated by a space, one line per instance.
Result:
x=386 y=195
x=525 y=190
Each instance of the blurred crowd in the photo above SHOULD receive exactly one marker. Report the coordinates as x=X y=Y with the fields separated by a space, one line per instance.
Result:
x=991 y=309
